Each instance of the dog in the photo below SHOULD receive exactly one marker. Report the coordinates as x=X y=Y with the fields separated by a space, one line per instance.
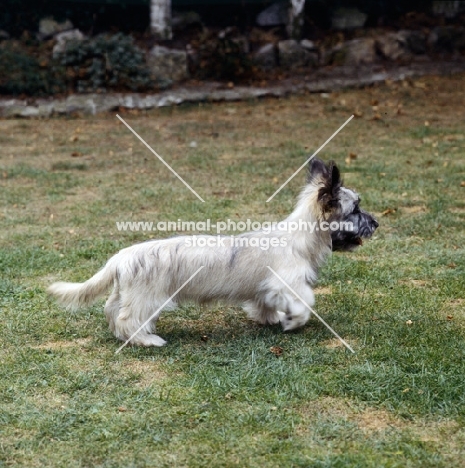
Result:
x=157 y=275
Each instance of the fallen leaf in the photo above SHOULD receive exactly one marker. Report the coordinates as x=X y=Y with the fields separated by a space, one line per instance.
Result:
x=352 y=155
x=409 y=322
x=388 y=211
x=450 y=317
x=419 y=84
x=462 y=184
x=122 y=409
x=76 y=154
x=276 y=350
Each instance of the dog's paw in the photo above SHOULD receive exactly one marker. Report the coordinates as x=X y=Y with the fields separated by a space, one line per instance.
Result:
x=291 y=322
x=148 y=340
x=275 y=318
x=281 y=315
x=286 y=321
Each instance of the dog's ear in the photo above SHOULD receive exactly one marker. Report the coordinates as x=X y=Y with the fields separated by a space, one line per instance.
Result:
x=335 y=178
x=317 y=168
x=328 y=194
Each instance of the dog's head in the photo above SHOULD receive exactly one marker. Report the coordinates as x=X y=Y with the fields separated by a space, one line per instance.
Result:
x=340 y=206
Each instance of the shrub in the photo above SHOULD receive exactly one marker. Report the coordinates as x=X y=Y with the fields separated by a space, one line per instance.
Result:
x=21 y=73
x=222 y=58
x=105 y=62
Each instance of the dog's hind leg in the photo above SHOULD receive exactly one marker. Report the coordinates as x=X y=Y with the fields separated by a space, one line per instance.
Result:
x=112 y=307
x=136 y=321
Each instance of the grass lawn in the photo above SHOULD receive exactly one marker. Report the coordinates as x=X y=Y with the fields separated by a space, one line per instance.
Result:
x=216 y=395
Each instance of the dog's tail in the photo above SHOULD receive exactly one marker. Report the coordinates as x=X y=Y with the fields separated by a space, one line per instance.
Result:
x=73 y=296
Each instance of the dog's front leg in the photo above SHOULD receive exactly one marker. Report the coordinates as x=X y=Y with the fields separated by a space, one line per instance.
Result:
x=261 y=314
x=296 y=312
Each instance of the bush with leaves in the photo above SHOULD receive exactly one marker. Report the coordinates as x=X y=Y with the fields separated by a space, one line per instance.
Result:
x=105 y=62
x=222 y=57
x=21 y=73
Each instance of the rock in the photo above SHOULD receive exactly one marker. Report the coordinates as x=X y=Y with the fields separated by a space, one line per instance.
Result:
x=401 y=45
x=309 y=45
x=30 y=111
x=416 y=41
x=348 y=18
x=354 y=52
x=48 y=27
x=13 y=111
x=448 y=9
x=184 y=19
x=230 y=33
x=447 y=38
x=45 y=109
x=4 y=35
x=266 y=57
x=276 y=14
x=167 y=65
x=64 y=37
x=293 y=55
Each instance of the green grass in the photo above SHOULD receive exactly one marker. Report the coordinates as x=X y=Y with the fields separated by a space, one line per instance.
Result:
x=216 y=395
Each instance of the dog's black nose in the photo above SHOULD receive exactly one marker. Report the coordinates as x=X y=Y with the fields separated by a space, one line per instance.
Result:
x=375 y=223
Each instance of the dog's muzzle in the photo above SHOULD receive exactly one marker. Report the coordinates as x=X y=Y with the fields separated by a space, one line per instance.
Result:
x=363 y=226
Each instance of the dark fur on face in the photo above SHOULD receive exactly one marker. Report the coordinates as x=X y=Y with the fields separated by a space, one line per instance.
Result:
x=341 y=204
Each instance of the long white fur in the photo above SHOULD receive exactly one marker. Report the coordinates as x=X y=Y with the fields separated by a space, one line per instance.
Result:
x=146 y=275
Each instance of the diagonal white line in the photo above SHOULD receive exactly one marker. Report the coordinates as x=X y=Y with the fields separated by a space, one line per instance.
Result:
x=313 y=312
x=157 y=312
x=162 y=160
x=311 y=157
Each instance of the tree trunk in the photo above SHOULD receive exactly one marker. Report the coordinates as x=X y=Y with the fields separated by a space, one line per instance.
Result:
x=296 y=18
x=160 y=18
